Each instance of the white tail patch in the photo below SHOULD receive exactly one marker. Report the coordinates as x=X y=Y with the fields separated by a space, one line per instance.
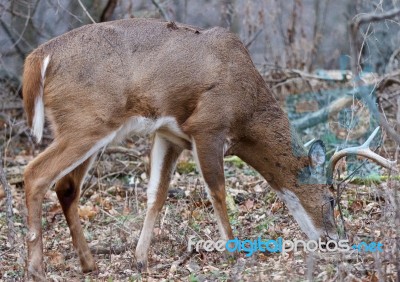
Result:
x=38 y=116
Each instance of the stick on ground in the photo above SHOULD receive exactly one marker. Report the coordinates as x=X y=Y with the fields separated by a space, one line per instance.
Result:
x=9 y=210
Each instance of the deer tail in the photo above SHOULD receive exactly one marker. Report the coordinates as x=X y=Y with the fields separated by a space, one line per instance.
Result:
x=32 y=91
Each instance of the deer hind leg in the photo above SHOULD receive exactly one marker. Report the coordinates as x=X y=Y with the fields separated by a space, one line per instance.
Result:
x=208 y=153
x=59 y=159
x=68 y=191
x=162 y=164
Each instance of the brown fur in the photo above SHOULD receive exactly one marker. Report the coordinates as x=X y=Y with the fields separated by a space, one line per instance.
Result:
x=101 y=75
x=31 y=86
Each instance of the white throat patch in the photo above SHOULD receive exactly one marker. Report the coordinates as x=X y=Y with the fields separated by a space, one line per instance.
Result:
x=298 y=212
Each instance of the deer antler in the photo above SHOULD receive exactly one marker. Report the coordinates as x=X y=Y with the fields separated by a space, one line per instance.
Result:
x=363 y=151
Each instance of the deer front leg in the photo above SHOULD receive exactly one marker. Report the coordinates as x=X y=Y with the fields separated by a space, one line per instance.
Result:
x=162 y=162
x=208 y=153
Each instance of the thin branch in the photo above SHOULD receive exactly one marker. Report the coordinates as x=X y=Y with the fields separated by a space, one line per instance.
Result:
x=321 y=115
x=248 y=44
x=355 y=25
x=122 y=150
x=108 y=11
x=368 y=18
x=86 y=11
x=20 y=52
x=161 y=10
x=9 y=210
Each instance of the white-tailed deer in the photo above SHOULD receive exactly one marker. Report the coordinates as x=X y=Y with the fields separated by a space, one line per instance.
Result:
x=195 y=89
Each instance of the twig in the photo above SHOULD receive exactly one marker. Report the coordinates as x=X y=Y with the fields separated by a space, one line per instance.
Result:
x=122 y=150
x=248 y=44
x=9 y=210
x=355 y=25
x=23 y=30
x=20 y=52
x=163 y=218
x=87 y=188
x=368 y=18
x=384 y=123
x=161 y=10
x=11 y=105
x=108 y=11
x=86 y=11
x=115 y=250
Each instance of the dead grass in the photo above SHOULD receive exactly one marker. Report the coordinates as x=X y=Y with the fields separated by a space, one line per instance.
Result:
x=112 y=213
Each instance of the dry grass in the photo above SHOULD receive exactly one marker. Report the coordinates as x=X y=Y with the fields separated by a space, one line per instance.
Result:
x=113 y=212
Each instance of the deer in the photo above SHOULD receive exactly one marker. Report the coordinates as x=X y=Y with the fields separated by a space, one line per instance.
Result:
x=191 y=89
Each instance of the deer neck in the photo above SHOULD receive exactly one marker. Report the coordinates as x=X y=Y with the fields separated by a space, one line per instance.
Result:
x=272 y=147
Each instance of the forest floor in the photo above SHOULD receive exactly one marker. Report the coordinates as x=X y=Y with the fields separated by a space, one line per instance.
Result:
x=113 y=206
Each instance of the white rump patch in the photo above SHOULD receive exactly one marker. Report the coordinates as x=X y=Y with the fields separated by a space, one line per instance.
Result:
x=38 y=116
x=298 y=212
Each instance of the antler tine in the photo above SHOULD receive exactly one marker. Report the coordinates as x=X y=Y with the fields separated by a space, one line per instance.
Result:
x=309 y=143
x=363 y=151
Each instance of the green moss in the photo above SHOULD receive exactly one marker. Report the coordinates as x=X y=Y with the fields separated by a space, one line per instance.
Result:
x=186 y=167
x=373 y=179
x=236 y=161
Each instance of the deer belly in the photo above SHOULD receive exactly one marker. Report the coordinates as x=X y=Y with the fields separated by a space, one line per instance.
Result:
x=165 y=126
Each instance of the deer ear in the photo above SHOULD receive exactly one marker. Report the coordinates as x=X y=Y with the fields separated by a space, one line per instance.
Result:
x=317 y=154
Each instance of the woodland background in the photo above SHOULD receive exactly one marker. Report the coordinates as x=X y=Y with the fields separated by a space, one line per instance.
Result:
x=309 y=52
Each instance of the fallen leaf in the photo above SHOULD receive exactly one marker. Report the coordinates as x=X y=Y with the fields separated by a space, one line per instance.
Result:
x=276 y=206
x=56 y=258
x=126 y=210
x=356 y=206
x=249 y=204
x=87 y=212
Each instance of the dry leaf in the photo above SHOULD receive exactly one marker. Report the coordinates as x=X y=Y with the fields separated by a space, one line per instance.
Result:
x=2 y=193
x=356 y=206
x=87 y=212
x=126 y=210
x=249 y=204
x=56 y=258
x=276 y=206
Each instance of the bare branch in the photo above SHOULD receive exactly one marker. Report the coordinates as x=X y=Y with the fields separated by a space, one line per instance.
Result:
x=368 y=18
x=122 y=150
x=248 y=44
x=314 y=118
x=355 y=25
x=161 y=10
x=86 y=11
x=9 y=210
x=108 y=11
x=15 y=45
